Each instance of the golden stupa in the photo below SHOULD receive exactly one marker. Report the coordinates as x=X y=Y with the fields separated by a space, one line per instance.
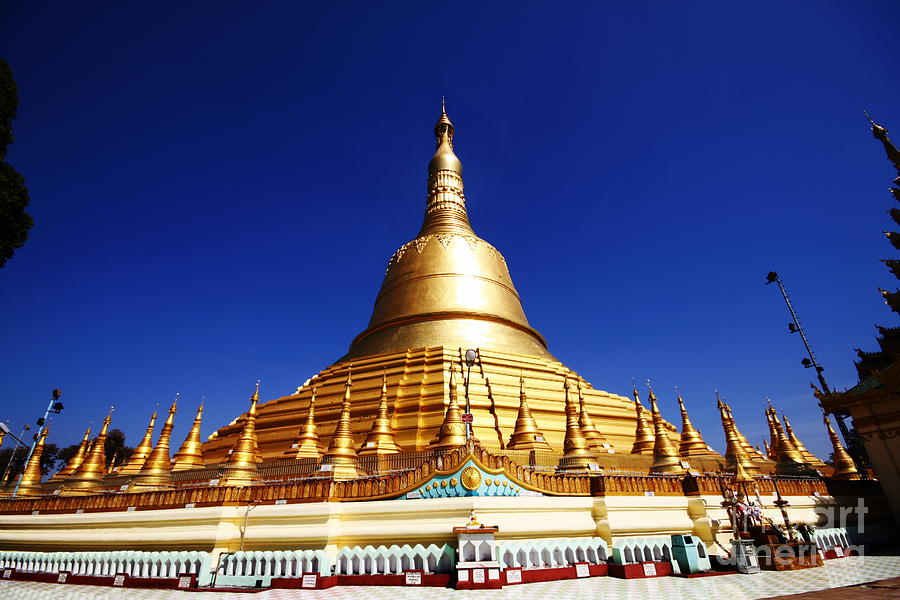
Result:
x=445 y=291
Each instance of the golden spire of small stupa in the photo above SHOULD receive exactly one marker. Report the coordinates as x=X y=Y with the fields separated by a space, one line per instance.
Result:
x=91 y=470
x=808 y=456
x=526 y=435
x=789 y=461
x=307 y=444
x=139 y=456
x=190 y=454
x=665 y=455
x=644 y=438
x=30 y=484
x=691 y=443
x=576 y=455
x=452 y=432
x=157 y=469
x=755 y=455
x=381 y=439
x=844 y=467
x=768 y=449
x=772 y=448
x=735 y=454
x=240 y=468
x=341 y=453
x=76 y=459
x=594 y=438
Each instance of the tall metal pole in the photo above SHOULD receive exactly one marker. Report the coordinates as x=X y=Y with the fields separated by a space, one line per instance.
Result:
x=51 y=407
x=794 y=326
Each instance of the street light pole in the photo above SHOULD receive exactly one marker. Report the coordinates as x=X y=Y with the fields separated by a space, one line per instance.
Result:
x=471 y=357
x=794 y=326
x=56 y=407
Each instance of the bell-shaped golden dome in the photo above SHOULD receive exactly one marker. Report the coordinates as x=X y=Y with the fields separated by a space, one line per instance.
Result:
x=447 y=287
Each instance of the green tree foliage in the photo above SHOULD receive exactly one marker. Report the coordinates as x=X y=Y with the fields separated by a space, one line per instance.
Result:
x=115 y=449
x=49 y=459
x=15 y=223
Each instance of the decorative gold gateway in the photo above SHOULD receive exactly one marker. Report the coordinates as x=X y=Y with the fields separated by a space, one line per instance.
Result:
x=444 y=291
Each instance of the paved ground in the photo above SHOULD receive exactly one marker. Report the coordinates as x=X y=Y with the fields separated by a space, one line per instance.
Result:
x=835 y=574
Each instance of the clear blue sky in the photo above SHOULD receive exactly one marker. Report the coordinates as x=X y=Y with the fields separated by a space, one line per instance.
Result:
x=217 y=189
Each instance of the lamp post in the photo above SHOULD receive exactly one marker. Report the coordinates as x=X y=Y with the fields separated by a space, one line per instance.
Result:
x=19 y=442
x=55 y=407
x=471 y=357
x=794 y=327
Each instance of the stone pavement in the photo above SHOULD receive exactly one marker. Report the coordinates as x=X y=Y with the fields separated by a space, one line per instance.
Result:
x=838 y=573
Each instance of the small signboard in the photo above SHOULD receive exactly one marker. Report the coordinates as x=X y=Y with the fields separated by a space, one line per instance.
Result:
x=468 y=418
x=35 y=512
x=594 y=467
x=413 y=495
x=493 y=573
x=7 y=573
x=79 y=511
x=119 y=580
x=649 y=569
x=514 y=576
x=325 y=468
x=839 y=552
x=582 y=570
x=190 y=505
x=214 y=481
x=413 y=577
x=61 y=578
x=131 y=509
x=477 y=575
x=281 y=501
x=184 y=582
x=309 y=581
x=539 y=438
x=649 y=493
x=462 y=575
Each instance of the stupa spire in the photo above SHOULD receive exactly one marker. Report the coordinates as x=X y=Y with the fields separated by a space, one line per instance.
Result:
x=76 y=459
x=91 y=470
x=788 y=458
x=576 y=456
x=691 y=443
x=808 y=456
x=157 y=469
x=736 y=456
x=141 y=452
x=240 y=469
x=881 y=134
x=445 y=211
x=307 y=444
x=644 y=438
x=844 y=467
x=754 y=454
x=190 y=454
x=594 y=438
x=30 y=484
x=665 y=455
x=341 y=453
x=381 y=439
x=526 y=435
x=452 y=432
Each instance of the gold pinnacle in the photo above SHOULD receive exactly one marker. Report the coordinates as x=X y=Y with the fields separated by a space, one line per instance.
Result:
x=691 y=442
x=594 y=439
x=381 y=439
x=76 y=460
x=665 y=454
x=30 y=484
x=644 y=438
x=526 y=435
x=576 y=455
x=89 y=473
x=190 y=454
x=157 y=469
x=844 y=467
x=240 y=468
x=136 y=462
x=452 y=432
x=307 y=444
x=341 y=453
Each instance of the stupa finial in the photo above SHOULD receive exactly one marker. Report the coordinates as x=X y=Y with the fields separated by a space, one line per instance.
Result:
x=526 y=435
x=136 y=461
x=190 y=454
x=452 y=432
x=341 y=453
x=844 y=467
x=381 y=439
x=240 y=469
x=307 y=444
